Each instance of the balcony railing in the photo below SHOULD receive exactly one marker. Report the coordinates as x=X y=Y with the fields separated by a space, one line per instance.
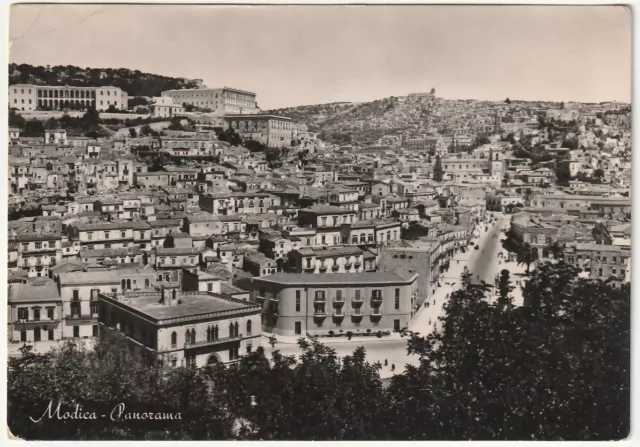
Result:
x=335 y=268
x=320 y=299
x=376 y=301
x=217 y=341
x=348 y=265
x=323 y=269
x=376 y=311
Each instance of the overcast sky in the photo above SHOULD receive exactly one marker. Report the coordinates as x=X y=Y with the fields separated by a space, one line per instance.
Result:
x=295 y=55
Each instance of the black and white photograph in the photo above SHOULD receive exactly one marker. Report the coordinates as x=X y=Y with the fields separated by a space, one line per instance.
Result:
x=374 y=222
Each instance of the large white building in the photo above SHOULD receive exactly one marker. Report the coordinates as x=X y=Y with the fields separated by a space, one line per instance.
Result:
x=29 y=97
x=221 y=101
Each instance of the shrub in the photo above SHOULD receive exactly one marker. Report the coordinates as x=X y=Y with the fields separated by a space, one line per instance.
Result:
x=379 y=334
x=368 y=330
x=349 y=335
x=476 y=247
x=331 y=333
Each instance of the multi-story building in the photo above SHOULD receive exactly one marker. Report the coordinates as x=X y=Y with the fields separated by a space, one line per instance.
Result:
x=301 y=304
x=79 y=294
x=238 y=203
x=35 y=312
x=327 y=221
x=43 y=97
x=424 y=257
x=326 y=260
x=111 y=234
x=270 y=130
x=37 y=252
x=220 y=101
x=600 y=261
x=195 y=328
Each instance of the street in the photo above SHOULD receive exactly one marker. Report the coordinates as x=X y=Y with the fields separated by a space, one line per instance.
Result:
x=483 y=262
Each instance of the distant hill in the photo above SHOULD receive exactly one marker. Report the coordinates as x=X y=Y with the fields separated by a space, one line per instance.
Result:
x=134 y=82
x=344 y=122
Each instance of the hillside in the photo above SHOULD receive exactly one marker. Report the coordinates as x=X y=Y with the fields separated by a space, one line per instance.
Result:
x=344 y=122
x=134 y=82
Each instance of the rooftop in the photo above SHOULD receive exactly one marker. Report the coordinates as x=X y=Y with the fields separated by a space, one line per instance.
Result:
x=41 y=289
x=362 y=279
x=191 y=305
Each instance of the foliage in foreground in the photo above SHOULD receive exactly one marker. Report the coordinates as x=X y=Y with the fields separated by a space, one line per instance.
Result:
x=555 y=369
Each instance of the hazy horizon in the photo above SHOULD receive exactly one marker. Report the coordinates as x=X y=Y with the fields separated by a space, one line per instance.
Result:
x=306 y=55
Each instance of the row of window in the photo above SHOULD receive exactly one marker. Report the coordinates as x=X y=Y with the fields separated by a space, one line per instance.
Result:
x=212 y=333
x=320 y=296
x=23 y=313
x=174 y=261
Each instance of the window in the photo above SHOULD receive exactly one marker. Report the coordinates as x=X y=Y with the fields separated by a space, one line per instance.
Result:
x=50 y=334
x=23 y=314
x=76 y=332
x=23 y=335
x=298 y=298
x=76 y=295
x=94 y=307
x=174 y=339
x=36 y=314
x=320 y=295
x=248 y=327
x=50 y=313
x=95 y=330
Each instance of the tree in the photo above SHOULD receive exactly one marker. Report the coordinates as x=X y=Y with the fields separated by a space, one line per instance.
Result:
x=556 y=250
x=598 y=173
x=527 y=255
x=133 y=133
x=113 y=373
x=16 y=120
x=483 y=390
x=508 y=101
x=505 y=288
x=562 y=105
x=176 y=124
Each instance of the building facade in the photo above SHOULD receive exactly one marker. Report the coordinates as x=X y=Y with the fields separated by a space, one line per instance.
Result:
x=300 y=304
x=221 y=101
x=270 y=130
x=193 y=329
x=29 y=97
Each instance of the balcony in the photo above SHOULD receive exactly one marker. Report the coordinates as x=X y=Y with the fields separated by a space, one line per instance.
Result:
x=347 y=266
x=323 y=269
x=319 y=316
x=338 y=316
x=357 y=265
x=376 y=301
x=201 y=343
x=357 y=301
x=356 y=318
x=335 y=268
x=338 y=302
x=376 y=314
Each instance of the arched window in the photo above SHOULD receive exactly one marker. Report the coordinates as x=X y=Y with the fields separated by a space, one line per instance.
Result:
x=248 y=327
x=237 y=329
x=362 y=238
x=193 y=335
x=230 y=330
x=174 y=339
x=216 y=331
x=124 y=284
x=128 y=284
